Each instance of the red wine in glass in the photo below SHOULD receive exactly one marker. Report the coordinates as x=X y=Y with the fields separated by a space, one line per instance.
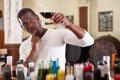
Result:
x=47 y=14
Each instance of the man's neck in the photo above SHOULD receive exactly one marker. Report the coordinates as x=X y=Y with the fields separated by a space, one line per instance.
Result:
x=41 y=33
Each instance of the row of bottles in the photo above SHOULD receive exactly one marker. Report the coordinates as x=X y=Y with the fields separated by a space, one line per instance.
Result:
x=21 y=70
x=80 y=71
x=23 y=73
x=86 y=71
x=50 y=70
x=45 y=69
x=20 y=73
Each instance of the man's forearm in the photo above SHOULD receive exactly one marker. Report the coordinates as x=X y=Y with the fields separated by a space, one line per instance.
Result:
x=30 y=57
x=78 y=31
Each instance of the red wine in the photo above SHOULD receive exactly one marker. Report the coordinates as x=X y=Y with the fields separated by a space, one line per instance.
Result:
x=46 y=14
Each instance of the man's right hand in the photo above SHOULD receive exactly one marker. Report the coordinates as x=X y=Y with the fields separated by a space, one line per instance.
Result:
x=35 y=41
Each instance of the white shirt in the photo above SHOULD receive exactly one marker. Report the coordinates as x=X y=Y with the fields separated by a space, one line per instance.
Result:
x=52 y=45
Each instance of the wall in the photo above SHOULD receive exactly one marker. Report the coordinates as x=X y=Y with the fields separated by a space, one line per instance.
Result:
x=2 y=5
x=105 y=5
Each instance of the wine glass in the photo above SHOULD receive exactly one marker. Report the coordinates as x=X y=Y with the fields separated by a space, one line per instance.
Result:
x=44 y=12
x=47 y=14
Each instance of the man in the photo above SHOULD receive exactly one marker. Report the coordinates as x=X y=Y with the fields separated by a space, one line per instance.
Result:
x=49 y=43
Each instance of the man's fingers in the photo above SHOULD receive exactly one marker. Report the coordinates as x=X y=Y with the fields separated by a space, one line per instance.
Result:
x=34 y=33
x=58 y=17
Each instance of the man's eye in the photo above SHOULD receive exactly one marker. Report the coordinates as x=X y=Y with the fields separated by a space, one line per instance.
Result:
x=32 y=19
x=24 y=23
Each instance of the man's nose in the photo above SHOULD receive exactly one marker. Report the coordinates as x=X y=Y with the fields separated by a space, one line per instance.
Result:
x=30 y=23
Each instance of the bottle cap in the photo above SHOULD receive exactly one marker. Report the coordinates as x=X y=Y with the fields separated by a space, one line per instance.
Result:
x=20 y=62
x=9 y=60
x=31 y=64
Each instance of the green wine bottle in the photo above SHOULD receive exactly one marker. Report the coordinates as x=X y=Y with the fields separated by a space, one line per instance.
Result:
x=50 y=66
x=40 y=70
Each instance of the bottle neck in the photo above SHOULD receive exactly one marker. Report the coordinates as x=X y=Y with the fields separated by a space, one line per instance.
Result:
x=69 y=70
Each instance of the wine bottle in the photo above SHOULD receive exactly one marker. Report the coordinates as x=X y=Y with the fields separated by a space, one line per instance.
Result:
x=50 y=66
x=30 y=74
x=20 y=70
x=69 y=73
x=97 y=74
x=31 y=66
x=61 y=75
x=78 y=71
x=7 y=72
x=39 y=77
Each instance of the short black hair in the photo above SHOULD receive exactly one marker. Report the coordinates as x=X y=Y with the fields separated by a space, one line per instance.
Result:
x=24 y=11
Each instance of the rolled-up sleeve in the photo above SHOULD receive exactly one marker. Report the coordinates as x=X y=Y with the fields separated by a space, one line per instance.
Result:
x=87 y=40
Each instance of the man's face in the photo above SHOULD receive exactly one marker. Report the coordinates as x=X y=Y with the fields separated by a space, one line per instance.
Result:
x=30 y=22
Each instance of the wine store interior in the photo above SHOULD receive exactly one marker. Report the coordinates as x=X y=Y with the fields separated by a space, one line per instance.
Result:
x=99 y=61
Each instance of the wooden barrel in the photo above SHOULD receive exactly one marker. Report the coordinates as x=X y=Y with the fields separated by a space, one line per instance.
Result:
x=104 y=46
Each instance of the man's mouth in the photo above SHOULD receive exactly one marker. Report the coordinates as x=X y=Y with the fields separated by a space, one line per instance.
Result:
x=31 y=30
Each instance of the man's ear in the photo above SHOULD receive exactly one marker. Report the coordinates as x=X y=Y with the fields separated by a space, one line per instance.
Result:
x=37 y=17
x=24 y=29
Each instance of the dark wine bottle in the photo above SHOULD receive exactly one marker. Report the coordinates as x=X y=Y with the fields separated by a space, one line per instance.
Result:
x=20 y=70
x=50 y=66
x=45 y=72
x=7 y=72
x=40 y=71
x=97 y=74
